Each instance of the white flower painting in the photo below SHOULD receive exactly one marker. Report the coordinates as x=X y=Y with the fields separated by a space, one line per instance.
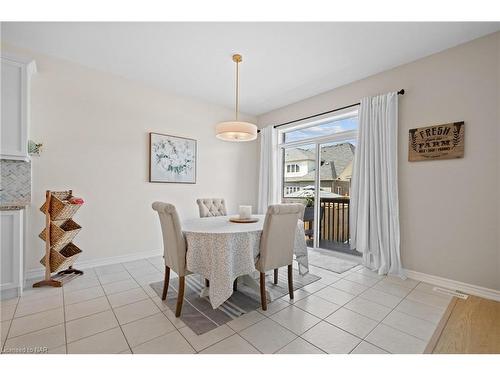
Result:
x=172 y=159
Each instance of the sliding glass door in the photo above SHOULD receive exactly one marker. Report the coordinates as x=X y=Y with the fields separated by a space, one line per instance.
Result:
x=335 y=172
x=317 y=166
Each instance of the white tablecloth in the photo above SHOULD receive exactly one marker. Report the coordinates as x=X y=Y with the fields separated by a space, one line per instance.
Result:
x=220 y=251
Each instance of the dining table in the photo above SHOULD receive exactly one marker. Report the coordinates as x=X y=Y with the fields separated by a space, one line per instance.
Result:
x=222 y=251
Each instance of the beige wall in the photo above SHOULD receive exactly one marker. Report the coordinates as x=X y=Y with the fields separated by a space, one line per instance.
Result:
x=94 y=129
x=450 y=208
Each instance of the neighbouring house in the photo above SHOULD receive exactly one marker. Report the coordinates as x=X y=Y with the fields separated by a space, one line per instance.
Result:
x=335 y=170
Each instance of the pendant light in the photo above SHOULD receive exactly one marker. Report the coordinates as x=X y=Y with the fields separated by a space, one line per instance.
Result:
x=236 y=131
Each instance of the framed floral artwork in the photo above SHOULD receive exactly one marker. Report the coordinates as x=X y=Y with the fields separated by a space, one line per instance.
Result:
x=172 y=159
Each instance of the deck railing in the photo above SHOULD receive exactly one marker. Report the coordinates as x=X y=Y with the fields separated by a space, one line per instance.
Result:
x=334 y=220
x=334 y=224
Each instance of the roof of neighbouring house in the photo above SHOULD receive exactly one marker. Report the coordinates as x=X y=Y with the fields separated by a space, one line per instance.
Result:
x=346 y=173
x=336 y=159
x=297 y=154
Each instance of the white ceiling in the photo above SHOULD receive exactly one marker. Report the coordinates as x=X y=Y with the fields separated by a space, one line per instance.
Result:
x=282 y=62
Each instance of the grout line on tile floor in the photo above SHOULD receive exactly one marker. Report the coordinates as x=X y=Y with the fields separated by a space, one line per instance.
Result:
x=89 y=336
x=219 y=340
x=119 y=325
x=35 y=330
x=64 y=318
x=163 y=312
x=10 y=325
x=79 y=290
x=378 y=324
x=300 y=337
x=367 y=342
x=252 y=345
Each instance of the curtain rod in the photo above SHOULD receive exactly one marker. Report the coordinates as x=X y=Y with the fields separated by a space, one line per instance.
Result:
x=400 y=92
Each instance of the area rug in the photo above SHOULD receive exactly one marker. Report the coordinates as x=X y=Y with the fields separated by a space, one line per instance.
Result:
x=197 y=312
x=326 y=260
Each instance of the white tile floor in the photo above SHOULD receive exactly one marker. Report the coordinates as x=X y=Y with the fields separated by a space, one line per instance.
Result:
x=112 y=309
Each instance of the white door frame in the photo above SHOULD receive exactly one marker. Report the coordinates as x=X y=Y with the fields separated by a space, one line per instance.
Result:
x=317 y=142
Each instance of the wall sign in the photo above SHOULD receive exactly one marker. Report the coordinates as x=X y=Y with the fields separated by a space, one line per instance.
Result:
x=436 y=142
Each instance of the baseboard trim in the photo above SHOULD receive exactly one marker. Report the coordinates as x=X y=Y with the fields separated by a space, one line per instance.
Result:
x=476 y=290
x=40 y=272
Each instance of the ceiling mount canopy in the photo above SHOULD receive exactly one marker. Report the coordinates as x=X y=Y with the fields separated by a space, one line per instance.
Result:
x=236 y=131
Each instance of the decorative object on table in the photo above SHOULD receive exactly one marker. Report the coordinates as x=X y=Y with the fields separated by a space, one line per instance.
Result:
x=34 y=149
x=237 y=219
x=203 y=318
x=245 y=212
x=444 y=141
x=210 y=207
x=172 y=159
x=58 y=234
x=236 y=131
x=245 y=215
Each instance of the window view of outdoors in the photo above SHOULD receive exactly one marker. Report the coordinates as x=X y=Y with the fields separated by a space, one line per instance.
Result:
x=328 y=128
x=336 y=161
x=335 y=171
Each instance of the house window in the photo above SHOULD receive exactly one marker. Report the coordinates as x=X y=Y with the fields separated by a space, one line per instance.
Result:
x=292 y=189
x=292 y=168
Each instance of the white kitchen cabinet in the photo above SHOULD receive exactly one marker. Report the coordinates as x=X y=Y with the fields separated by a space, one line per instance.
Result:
x=15 y=110
x=11 y=253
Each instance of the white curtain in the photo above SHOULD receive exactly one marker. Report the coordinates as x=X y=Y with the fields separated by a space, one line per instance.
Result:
x=374 y=218
x=269 y=173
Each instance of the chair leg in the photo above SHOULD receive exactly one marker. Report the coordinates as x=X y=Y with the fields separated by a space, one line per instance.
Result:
x=290 y=281
x=275 y=276
x=235 y=285
x=263 y=299
x=165 y=283
x=180 y=297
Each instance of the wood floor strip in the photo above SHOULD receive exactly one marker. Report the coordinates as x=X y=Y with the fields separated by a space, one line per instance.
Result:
x=472 y=327
x=429 y=349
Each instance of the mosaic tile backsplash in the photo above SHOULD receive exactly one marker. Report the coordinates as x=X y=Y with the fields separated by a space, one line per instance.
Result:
x=15 y=183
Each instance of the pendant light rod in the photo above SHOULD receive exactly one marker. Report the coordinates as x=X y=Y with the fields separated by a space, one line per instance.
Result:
x=237 y=59
x=236 y=131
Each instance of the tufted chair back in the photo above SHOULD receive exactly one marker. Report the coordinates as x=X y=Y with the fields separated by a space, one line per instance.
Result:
x=174 y=243
x=278 y=236
x=212 y=207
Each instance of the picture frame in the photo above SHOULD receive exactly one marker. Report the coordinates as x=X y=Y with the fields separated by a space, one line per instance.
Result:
x=172 y=159
x=437 y=142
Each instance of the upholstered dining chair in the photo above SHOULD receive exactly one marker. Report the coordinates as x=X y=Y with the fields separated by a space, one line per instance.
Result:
x=174 y=249
x=301 y=217
x=276 y=244
x=212 y=207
